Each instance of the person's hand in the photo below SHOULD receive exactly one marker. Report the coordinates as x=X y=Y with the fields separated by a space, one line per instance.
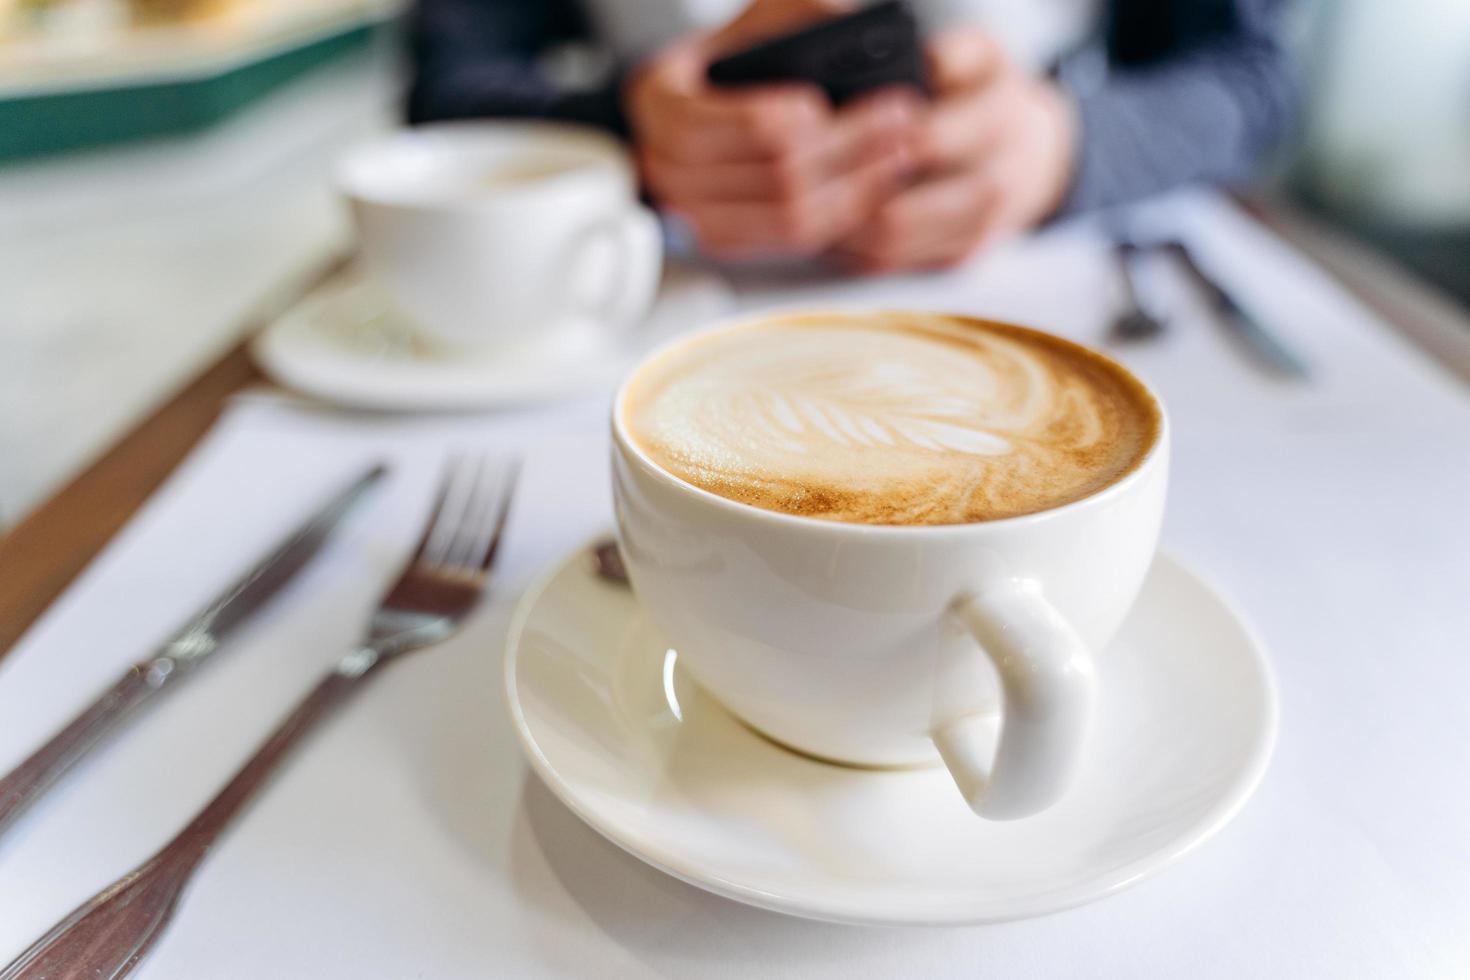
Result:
x=994 y=155
x=769 y=169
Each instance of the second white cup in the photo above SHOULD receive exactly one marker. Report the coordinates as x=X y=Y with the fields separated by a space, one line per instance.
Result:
x=493 y=233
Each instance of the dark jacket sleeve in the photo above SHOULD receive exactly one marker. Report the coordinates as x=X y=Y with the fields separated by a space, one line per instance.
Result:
x=1193 y=90
x=476 y=58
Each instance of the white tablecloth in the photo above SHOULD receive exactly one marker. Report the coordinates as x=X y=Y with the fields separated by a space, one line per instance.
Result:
x=409 y=839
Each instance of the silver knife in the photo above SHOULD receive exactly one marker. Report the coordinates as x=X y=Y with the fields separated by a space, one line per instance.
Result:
x=185 y=650
x=1266 y=348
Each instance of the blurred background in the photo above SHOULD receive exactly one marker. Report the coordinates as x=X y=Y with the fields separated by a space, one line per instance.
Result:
x=164 y=178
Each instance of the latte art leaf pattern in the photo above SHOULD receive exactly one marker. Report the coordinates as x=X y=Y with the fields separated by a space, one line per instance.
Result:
x=889 y=418
x=841 y=411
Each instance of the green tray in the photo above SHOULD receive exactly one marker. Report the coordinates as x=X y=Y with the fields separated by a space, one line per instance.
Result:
x=54 y=122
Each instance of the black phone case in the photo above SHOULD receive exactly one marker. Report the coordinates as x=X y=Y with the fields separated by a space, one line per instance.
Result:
x=845 y=56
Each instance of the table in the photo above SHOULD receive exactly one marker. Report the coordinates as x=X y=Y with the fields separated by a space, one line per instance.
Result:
x=44 y=552
x=1332 y=512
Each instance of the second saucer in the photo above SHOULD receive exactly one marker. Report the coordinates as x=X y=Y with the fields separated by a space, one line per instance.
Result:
x=347 y=345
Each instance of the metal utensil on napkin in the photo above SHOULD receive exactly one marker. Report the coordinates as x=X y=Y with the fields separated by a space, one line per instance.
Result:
x=176 y=658
x=1264 y=347
x=110 y=934
x=1133 y=322
x=607 y=562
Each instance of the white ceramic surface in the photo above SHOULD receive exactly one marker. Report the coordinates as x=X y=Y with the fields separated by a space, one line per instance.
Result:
x=479 y=260
x=892 y=645
x=612 y=724
x=345 y=344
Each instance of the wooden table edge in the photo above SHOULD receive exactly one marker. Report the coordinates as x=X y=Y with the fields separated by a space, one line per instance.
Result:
x=46 y=550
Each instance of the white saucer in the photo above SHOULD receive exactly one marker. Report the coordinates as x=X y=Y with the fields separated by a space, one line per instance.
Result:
x=345 y=344
x=612 y=725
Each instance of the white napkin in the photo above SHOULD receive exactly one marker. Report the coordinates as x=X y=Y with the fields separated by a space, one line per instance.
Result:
x=386 y=823
x=408 y=840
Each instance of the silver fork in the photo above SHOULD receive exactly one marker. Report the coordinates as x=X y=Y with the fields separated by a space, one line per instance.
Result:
x=1134 y=321
x=110 y=934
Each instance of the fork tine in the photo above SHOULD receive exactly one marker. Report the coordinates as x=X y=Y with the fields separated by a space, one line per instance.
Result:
x=459 y=555
x=473 y=503
x=432 y=528
x=488 y=540
x=449 y=516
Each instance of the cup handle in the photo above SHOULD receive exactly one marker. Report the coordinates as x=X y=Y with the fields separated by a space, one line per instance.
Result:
x=1048 y=689
x=636 y=243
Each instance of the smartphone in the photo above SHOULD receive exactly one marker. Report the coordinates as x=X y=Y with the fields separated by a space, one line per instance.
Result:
x=845 y=56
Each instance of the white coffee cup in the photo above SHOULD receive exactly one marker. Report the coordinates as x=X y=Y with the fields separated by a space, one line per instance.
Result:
x=973 y=644
x=495 y=233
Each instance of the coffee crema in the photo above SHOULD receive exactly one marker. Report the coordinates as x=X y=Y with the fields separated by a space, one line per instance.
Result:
x=513 y=173
x=890 y=418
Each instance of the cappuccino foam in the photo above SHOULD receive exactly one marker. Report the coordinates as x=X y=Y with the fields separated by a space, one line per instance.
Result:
x=890 y=418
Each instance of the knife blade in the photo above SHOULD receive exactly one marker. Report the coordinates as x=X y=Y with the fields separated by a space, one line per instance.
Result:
x=185 y=649
x=1266 y=348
